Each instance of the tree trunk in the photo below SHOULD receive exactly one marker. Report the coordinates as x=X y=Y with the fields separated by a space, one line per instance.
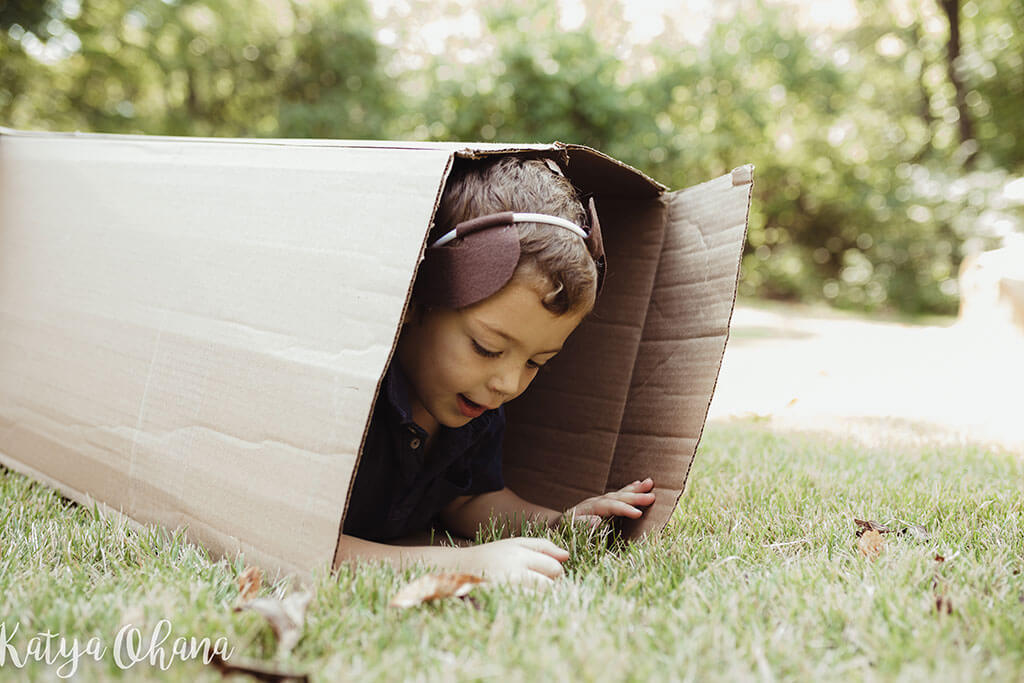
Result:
x=952 y=10
x=925 y=107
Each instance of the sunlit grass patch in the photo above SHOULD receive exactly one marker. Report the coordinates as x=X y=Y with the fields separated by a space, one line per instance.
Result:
x=757 y=575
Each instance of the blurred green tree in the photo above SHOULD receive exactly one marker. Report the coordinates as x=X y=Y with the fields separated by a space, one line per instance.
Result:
x=882 y=149
x=28 y=14
x=201 y=67
x=335 y=85
x=558 y=85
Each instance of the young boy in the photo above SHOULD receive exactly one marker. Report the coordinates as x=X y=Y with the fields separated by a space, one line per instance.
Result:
x=495 y=300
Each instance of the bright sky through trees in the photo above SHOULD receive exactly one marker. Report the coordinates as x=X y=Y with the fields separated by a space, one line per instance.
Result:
x=646 y=18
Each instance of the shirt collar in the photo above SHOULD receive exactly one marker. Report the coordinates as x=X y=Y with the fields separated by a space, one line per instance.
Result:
x=397 y=385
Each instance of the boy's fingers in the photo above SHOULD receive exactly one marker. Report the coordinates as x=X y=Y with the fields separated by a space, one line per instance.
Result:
x=638 y=486
x=622 y=509
x=586 y=518
x=640 y=498
x=633 y=498
x=545 y=565
x=543 y=545
x=630 y=511
x=534 y=580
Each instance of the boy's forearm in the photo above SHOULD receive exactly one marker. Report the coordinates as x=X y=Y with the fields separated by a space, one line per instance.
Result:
x=504 y=507
x=351 y=549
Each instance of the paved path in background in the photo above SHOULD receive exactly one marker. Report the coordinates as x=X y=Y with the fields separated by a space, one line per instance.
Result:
x=835 y=372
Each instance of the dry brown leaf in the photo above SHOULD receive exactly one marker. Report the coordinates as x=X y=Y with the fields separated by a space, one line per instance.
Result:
x=871 y=544
x=916 y=531
x=286 y=617
x=870 y=525
x=249 y=583
x=434 y=587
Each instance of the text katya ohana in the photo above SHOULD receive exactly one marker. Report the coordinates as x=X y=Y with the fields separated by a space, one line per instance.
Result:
x=130 y=647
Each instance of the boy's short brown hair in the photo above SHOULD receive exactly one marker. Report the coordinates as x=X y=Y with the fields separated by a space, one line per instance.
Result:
x=513 y=183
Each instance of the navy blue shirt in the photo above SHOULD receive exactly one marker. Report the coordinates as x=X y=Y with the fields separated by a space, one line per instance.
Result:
x=398 y=488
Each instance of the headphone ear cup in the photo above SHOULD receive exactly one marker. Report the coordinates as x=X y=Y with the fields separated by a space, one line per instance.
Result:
x=461 y=274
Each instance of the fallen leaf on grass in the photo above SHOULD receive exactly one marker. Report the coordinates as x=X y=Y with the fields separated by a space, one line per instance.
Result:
x=871 y=544
x=249 y=583
x=916 y=531
x=434 y=587
x=256 y=670
x=286 y=617
x=870 y=525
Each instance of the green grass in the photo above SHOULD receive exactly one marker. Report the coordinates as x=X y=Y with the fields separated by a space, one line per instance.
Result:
x=758 y=576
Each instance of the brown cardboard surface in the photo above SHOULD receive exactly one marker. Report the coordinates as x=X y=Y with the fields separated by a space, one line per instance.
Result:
x=562 y=432
x=685 y=331
x=192 y=331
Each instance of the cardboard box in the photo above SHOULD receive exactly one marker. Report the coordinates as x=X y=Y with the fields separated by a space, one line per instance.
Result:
x=193 y=331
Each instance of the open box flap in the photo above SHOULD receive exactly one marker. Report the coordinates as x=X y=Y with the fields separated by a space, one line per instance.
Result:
x=684 y=337
x=628 y=395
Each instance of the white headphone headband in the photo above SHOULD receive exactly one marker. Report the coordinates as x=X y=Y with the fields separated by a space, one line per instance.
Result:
x=524 y=218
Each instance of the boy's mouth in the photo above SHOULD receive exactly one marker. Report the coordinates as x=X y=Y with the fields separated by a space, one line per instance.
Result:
x=469 y=408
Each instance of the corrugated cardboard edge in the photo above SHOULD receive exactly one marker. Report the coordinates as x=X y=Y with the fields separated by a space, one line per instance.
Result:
x=453 y=147
x=391 y=354
x=604 y=158
x=741 y=175
x=644 y=185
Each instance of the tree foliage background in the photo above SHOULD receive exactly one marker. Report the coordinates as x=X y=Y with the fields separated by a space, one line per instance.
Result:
x=885 y=150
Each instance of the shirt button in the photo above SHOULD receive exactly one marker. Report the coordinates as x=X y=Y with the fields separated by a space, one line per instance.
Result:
x=414 y=444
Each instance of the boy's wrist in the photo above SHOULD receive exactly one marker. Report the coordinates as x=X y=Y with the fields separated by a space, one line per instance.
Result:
x=554 y=518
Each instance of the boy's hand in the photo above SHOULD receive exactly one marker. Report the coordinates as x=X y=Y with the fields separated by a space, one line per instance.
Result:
x=535 y=561
x=626 y=502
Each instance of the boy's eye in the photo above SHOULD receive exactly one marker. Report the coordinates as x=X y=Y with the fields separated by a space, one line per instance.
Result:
x=487 y=353
x=484 y=352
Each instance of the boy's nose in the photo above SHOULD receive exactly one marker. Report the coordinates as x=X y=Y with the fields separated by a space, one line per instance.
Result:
x=504 y=384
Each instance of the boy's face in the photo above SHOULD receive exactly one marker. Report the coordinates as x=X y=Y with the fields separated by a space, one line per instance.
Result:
x=463 y=362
